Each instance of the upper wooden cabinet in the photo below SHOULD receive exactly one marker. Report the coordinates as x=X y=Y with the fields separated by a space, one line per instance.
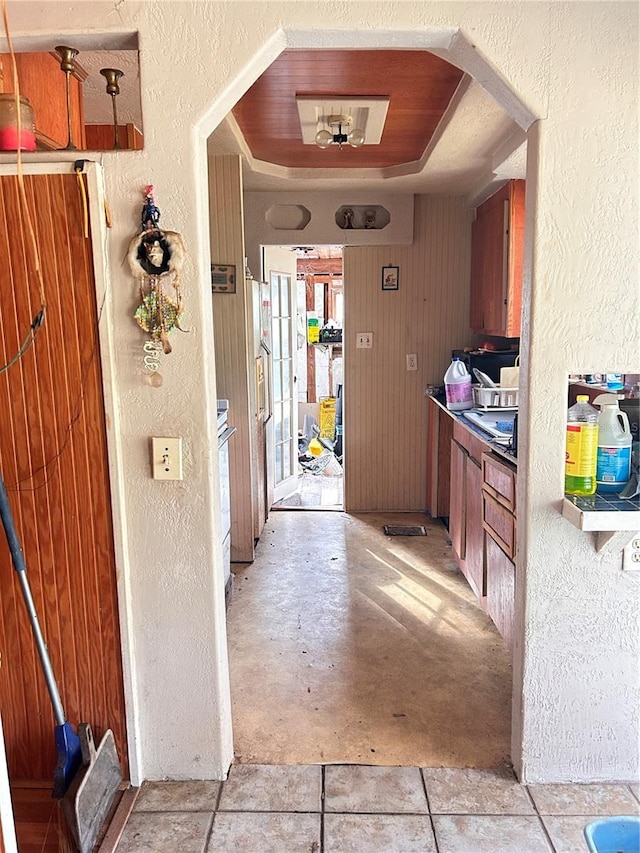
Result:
x=497 y=240
x=44 y=84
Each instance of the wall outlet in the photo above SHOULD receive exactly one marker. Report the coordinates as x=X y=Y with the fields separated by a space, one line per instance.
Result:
x=166 y=458
x=631 y=555
x=412 y=361
x=364 y=340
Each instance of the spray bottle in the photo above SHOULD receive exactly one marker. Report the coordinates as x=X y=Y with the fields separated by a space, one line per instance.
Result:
x=614 y=445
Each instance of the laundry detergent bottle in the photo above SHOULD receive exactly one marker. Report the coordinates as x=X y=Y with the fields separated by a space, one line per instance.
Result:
x=614 y=446
x=457 y=386
x=581 y=448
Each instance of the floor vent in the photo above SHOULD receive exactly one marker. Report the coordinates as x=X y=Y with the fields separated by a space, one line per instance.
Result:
x=404 y=530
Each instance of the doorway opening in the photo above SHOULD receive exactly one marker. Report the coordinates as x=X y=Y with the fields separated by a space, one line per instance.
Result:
x=317 y=325
x=406 y=587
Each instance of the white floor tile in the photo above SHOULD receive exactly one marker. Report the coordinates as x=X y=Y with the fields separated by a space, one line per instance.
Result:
x=453 y=791
x=359 y=788
x=495 y=834
x=378 y=833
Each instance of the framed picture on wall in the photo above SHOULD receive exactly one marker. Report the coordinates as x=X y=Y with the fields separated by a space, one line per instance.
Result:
x=223 y=278
x=390 y=277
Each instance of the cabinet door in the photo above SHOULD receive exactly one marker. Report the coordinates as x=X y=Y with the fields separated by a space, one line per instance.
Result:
x=515 y=260
x=474 y=555
x=501 y=576
x=445 y=435
x=497 y=239
x=478 y=275
x=489 y=255
x=433 y=432
x=457 y=504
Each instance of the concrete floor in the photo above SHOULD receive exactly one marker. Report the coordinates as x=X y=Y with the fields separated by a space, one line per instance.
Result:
x=349 y=646
x=323 y=490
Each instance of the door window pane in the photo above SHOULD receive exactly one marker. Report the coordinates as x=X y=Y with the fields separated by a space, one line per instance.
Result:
x=277 y=380
x=286 y=374
x=285 y=297
x=277 y=421
x=285 y=337
x=275 y=296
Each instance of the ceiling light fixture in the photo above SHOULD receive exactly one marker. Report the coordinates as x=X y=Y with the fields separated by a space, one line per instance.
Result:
x=344 y=133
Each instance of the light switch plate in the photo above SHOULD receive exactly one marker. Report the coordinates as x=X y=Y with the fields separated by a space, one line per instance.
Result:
x=166 y=458
x=364 y=340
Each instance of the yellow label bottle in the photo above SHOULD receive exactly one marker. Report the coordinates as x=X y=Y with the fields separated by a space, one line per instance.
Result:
x=581 y=456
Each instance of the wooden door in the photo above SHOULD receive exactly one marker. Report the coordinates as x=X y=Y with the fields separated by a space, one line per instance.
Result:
x=53 y=458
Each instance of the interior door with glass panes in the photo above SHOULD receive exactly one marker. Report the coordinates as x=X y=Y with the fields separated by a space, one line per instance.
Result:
x=280 y=273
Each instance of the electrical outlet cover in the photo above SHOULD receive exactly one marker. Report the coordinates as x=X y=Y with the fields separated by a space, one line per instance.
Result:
x=631 y=555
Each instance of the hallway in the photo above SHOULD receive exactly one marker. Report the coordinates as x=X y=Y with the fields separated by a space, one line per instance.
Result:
x=350 y=646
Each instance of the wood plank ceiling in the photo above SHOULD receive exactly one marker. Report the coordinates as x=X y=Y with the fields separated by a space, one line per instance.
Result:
x=418 y=84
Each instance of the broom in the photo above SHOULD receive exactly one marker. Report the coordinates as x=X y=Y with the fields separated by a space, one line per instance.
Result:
x=85 y=779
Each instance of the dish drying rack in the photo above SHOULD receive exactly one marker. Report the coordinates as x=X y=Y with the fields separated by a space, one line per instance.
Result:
x=490 y=399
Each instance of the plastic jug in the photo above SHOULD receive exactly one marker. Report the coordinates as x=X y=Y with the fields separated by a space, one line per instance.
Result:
x=457 y=386
x=581 y=448
x=614 y=445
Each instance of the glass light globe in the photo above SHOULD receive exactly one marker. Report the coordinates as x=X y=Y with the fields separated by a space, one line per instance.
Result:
x=324 y=138
x=356 y=138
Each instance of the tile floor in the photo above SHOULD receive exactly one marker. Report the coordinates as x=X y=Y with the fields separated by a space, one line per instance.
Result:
x=366 y=809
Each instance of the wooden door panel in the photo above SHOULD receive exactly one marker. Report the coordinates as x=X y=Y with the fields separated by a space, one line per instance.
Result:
x=474 y=557
x=458 y=498
x=500 y=590
x=54 y=462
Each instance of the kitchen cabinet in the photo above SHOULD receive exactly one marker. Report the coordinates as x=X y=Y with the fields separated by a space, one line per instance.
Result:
x=501 y=573
x=100 y=137
x=499 y=524
x=497 y=240
x=465 y=514
x=439 y=435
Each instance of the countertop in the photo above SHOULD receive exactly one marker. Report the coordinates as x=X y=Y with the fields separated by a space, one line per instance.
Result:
x=494 y=446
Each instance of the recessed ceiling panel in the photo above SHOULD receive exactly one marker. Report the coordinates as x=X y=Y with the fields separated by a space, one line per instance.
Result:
x=367 y=114
x=418 y=84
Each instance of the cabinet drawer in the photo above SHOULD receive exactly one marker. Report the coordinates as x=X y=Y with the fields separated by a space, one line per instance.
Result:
x=499 y=523
x=501 y=584
x=499 y=480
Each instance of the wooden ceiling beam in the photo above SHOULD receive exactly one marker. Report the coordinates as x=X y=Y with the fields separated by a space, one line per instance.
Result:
x=320 y=266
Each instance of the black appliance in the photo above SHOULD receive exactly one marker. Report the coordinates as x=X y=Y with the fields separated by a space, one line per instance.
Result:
x=631 y=405
x=488 y=362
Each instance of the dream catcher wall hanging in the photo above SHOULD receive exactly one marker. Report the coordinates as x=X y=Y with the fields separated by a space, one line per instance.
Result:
x=155 y=257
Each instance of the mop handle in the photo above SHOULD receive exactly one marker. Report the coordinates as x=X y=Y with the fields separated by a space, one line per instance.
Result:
x=21 y=568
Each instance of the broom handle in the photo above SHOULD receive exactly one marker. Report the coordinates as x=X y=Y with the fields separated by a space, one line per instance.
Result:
x=21 y=568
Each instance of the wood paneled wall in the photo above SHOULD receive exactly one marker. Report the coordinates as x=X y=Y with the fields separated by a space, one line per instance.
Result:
x=233 y=332
x=385 y=411
x=53 y=457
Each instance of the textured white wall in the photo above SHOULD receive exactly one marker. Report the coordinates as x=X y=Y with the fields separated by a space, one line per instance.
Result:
x=575 y=65
x=322 y=228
